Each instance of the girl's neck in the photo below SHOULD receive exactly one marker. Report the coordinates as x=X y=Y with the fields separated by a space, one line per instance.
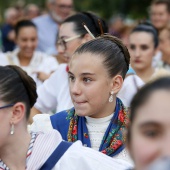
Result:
x=15 y=152
x=24 y=61
x=107 y=111
x=145 y=74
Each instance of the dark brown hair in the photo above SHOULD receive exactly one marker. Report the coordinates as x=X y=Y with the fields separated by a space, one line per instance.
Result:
x=91 y=21
x=115 y=55
x=22 y=24
x=148 y=28
x=17 y=86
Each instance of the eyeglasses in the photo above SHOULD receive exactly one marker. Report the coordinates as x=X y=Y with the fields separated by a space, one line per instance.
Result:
x=62 y=42
x=6 y=106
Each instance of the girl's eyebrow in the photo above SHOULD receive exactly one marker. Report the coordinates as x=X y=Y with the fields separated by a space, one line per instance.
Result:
x=84 y=74
x=70 y=73
x=149 y=124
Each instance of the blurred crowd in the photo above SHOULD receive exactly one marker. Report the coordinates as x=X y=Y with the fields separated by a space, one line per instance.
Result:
x=91 y=71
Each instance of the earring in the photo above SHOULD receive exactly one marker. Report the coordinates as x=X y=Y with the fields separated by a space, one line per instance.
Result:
x=111 y=97
x=12 y=129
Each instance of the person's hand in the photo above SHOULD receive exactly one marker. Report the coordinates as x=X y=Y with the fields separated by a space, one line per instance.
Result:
x=11 y=35
x=42 y=76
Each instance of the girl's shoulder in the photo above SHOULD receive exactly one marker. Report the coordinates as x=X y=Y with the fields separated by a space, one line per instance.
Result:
x=61 y=121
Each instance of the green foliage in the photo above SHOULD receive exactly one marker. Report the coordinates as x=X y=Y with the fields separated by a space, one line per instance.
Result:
x=106 y=8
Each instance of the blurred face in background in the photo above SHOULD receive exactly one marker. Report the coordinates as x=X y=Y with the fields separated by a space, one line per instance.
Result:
x=27 y=41
x=68 y=40
x=12 y=16
x=159 y=15
x=142 y=50
x=150 y=130
x=61 y=9
x=164 y=42
x=32 y=11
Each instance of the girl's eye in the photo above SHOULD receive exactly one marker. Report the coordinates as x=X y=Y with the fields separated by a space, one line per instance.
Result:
x=87 y=80
x=151 y=133
x=144 y=47
x=132 y=47
x=71 y=78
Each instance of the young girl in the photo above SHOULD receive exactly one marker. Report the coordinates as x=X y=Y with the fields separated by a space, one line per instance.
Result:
x=37 y=151
x=99 y=118
x=149 y=131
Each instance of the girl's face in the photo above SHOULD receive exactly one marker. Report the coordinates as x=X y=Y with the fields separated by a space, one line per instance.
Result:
x=150 y=131
x=27 y=41
x=5 y=126
x=67 y=48
x=164 y=42
x=90 y=86
x=141 y=48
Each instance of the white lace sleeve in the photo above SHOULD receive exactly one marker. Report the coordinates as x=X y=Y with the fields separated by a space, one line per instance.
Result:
x=41 y=123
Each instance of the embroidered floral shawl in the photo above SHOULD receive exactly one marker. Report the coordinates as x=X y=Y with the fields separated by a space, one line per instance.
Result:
x=113 y=139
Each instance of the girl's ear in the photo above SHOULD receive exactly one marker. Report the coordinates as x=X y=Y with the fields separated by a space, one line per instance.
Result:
x=116 y=83
x=18 y=112
x=86 y=38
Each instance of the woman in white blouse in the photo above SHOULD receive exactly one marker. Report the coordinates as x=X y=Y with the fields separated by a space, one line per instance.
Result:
x=37 y=64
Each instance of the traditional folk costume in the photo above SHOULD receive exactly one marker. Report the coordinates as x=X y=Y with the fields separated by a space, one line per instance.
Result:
x=76 y=157
x=73 y=127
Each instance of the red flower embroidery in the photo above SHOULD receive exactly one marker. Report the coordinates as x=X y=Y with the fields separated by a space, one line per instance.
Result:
x=121 y=116
x=115 y=146
x=74 y=132
x=119 y=142
x=85 y=135
x=104 y=151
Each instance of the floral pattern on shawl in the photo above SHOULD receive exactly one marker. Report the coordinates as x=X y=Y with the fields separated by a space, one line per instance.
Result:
x=113 y=140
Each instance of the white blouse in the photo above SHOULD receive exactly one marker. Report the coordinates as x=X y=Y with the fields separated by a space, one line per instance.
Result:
x=40 y=62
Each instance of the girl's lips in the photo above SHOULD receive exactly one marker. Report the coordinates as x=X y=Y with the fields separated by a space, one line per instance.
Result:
x=137 y=61
x=80 y=102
